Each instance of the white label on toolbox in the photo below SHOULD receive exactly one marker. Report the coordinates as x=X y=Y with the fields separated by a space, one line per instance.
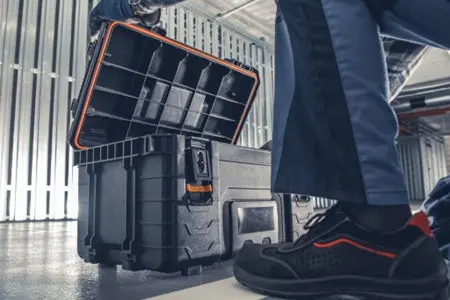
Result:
x=226 y=289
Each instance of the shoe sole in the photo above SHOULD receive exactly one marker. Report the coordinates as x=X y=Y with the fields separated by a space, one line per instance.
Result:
x=345 y=288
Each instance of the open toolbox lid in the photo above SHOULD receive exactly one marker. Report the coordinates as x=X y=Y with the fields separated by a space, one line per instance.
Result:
x=140 y=82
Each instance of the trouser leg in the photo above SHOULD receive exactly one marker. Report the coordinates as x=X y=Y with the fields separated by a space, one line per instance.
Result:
x=426 y=22
x=334 y=131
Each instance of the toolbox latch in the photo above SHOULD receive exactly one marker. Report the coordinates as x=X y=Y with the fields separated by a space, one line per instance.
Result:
x=199 y=194
x=198 y=162
x=199 y=188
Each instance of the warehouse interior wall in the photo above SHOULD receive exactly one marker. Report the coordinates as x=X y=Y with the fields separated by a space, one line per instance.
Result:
x=42 y=62
x=447 y=153
x=423 y=159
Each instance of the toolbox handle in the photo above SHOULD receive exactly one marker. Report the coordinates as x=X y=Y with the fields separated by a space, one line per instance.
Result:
x=199 y=195
x=199 y=188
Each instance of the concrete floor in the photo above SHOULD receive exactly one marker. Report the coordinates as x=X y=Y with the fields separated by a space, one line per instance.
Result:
x=39 y=261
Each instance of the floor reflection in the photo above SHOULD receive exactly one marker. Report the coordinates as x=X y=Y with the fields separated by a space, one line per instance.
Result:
x=40 y=261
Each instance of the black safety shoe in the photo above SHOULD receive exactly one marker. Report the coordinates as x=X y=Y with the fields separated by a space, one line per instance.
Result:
x=338 y=257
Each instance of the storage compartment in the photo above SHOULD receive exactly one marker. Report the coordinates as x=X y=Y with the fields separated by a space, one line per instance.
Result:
x=151 y=99
x=120 y=81
x=189 y=70
x=131 y=50
x=101 y=130
x=140 y=129
x=235 y=86
x=113 y=104
x=177 y=202
x=199 y=109
x=137 y=78
x=225 y=109
x=219 y=127
x=254 y=222
x=165 y=62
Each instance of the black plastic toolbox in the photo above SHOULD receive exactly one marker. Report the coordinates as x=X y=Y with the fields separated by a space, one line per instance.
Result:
x=169 y=202
x=140 y=82
x=302 y=209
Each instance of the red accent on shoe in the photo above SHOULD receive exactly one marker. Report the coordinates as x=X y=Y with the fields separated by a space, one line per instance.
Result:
x=354 y=244
x=420 y=220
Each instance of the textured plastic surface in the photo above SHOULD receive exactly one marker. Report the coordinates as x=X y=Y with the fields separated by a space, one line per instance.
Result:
x=302 y=211
x=139 y=82
x=147 y=203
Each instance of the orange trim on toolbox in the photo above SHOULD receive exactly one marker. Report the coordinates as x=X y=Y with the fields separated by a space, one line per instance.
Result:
x=170 y=42
x=199 y=188
x=354 y=244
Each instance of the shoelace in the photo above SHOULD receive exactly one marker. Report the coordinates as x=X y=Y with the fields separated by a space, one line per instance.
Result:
x=315 y=222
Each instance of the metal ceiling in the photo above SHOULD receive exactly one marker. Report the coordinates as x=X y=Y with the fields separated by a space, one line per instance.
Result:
x=252 y=17
x=430 y=85
x=435 y=68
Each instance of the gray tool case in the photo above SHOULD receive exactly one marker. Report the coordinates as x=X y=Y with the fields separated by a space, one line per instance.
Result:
x=170 y=203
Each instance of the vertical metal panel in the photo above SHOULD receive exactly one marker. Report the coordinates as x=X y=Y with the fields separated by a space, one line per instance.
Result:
x=3 y=70
x=247 y=137
x=43 y=123
x=181 y=25
x=24 y=97
x=266 y=75
x=190 y=30
x=432 y=155
x=259 y=102
x=423 y=161
x=409 y=154
x=8 y=84
x=254 y=109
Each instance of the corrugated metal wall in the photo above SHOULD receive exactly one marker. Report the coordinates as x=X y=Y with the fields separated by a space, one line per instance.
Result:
x=410 y=159
x=42 y=46
x=433 y=162
x=447 y=152
x=423 y=160
x=42 y=61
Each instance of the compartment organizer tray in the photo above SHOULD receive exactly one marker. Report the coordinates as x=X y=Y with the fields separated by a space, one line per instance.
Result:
x=140 y=82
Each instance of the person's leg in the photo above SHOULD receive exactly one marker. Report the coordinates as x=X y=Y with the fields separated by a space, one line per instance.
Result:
x=425 y=22
x=334 y=130
x=334 y=137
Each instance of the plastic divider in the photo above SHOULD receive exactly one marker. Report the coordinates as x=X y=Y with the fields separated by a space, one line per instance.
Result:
x=156 y=87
